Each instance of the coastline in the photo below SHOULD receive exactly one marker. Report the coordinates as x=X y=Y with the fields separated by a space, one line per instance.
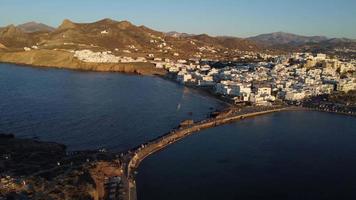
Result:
x=218 y=121
x=126 y=165
x=136 y=156
x=130 y=182
x=65 y=60
x=59 y=59
x=326 y=111
x=71 y=63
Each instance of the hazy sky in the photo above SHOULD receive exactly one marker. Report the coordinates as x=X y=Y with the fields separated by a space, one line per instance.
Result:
x=333 y=18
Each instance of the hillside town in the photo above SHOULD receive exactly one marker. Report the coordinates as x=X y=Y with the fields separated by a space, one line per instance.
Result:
x=290 y=78
x=104 y=57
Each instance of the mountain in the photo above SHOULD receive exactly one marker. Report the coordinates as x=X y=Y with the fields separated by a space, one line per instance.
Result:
x=31 y=27
x=124 y=33
x=226 y=42
x=178 y=34
x=281 y=38
x=12 y=36
x=328 y=45
x=122 y=36
x=67 y=24
x=339 y=40
x=106 y=33
x=288 y=42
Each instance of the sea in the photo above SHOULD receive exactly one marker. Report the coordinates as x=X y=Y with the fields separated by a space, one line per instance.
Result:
x=287 y=155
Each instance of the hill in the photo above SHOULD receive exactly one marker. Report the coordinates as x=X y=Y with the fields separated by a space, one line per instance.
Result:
x=126 y=39
x=32 y=27
x=341 y=47
x=105 y=33
x=178 y=34
x=288 y=42
x=66 y=60
x=12 y=36
x=281 y=38
x=121 y=37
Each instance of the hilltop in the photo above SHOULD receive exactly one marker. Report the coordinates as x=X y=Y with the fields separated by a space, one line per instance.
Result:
x=121 y=36
x=31 y=27
x=282 y=38
x=289 y=42
x=13 y=37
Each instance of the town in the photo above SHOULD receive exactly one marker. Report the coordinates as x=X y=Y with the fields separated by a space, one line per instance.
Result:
x=290 y=78
x=177 y=100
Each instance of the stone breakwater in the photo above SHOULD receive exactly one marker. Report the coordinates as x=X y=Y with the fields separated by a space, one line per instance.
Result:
x=153 y=146
x=136 y=156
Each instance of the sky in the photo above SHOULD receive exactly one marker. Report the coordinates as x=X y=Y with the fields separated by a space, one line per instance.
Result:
x=241 y=18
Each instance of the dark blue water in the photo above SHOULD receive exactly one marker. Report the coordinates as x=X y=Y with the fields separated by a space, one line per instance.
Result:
x=297 y=155
x=87 y=110
x=294 y=155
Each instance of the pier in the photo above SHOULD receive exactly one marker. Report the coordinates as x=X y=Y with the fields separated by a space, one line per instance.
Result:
x=134 y=157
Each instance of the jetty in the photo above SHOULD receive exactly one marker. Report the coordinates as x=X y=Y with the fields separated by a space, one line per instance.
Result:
x=134 y=157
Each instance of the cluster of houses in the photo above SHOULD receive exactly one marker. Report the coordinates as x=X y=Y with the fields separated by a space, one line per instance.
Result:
x=291 y=78
x=30 y=48
x=104 y=57
x=161 y=44
x=8 y=183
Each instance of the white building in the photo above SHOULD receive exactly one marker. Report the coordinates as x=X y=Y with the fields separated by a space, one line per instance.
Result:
x=295 y=95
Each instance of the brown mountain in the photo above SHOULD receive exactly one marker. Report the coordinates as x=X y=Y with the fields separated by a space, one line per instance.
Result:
x=108 y=34
x=11 y=36
x=120 y=36
x=288 y=42
x=332 y=46
x=32 y=27
x=177 y=34
x=220 y=41
x=105 y=33
x=281 y=38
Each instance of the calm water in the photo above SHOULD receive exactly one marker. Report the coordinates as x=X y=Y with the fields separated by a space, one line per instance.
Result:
x=295 y=155
x=87 y=110
x=280 y=156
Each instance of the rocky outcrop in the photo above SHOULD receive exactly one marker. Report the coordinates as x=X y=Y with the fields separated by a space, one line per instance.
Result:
x=67 y=24
x=11 y=36
x=2 y=46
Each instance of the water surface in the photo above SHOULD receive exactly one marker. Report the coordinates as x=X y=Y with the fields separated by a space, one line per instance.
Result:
x=291 y=155
x=90 y=110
